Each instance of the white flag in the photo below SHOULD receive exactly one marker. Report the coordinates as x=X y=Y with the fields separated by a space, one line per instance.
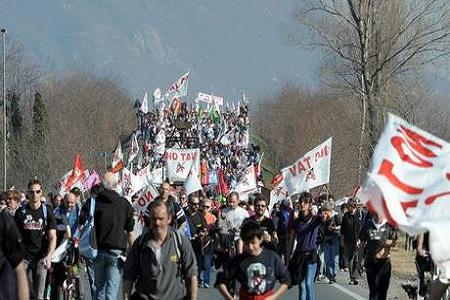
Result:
x=134 y=149
x=408 y=184
x=178 y=88
x=247 y=180
x=144 y=105
x=192 y=183
x=157 y=97
x=279 y=192
x=311 y=170
x=130 y=184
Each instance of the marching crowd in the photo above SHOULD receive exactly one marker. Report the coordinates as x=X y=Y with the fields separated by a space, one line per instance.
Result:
x=255 y=253
x=301 y=241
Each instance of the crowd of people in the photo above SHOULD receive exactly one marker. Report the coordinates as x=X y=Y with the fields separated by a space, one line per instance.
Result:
x=255 y=252
x=301 y=241
x=221 y=134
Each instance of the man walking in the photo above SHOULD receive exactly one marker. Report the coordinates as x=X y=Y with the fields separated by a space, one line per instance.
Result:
x=161 y=264
x=350 y=229
x=114 y=223
x=37 y=225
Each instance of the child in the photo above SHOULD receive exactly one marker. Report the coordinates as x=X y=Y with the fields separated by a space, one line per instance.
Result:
x=257 y=269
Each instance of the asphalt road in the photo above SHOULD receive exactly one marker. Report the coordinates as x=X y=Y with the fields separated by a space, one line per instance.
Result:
x=339 y=291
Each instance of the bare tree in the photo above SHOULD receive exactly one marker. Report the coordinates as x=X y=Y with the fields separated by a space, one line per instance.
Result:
x=371 y=46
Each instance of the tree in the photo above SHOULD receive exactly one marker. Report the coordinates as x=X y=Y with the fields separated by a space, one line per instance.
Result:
x=41 y=131
x=371 y=47
x=16 y=120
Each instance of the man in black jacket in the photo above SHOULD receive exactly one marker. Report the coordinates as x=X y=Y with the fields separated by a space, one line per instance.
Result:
x=350 y=229
x=114 y=223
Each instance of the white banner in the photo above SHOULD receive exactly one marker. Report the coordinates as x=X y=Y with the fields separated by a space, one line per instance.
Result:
x=408 y=184
x=179 y=162
x=147 y=196
x=209 y=99
x=311 y=170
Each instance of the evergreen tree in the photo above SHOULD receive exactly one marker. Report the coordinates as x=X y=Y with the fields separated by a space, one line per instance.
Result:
x=16 y=117
x=41 y=160
x=40 y=120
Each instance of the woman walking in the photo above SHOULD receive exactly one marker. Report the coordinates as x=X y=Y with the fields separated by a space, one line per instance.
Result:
x=304 y=230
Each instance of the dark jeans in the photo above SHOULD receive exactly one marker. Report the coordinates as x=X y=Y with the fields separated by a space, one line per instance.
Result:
x=423 y=264
x=331 y=251
x=281 y=249
x=378 y=276
x=351 y=260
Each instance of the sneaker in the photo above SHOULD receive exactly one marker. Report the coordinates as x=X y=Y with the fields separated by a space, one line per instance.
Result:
x=332 y=281
x=353 y=282
x=206 y=286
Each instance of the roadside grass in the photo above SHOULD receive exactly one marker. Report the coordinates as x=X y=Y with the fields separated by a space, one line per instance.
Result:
x=403 y=261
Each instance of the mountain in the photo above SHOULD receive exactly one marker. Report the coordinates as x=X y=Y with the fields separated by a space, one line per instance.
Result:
x=229 y=46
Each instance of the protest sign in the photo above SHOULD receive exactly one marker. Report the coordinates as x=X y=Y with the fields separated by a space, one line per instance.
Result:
x=179 y=162
x=311 y=170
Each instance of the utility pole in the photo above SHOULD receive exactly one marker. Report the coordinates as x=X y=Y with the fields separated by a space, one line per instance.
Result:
x=3 y=32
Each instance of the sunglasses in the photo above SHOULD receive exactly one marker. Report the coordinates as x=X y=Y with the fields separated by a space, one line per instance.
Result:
x=34 y=192
x=195 y=204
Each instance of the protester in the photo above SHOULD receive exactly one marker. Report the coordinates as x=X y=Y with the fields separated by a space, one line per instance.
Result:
x=304 y=230
x=208 y=246
x=179 y=219
x=350 y=230
x=379 y=238
x=331 y=240
x=234 y=216
x=283 y=216
x=270 y=238
x=257 y=269
x=161 y=263
x=12 y=201
x=37 y=225
x=114 y=223
x=13 y=275
x=424 y=262
x=199 y=230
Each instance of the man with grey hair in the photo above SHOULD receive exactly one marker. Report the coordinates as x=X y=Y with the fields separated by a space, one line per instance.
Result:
x=114 y=223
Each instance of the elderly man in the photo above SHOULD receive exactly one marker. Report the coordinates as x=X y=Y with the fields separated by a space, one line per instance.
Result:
x=114 y=223
x=161 y=264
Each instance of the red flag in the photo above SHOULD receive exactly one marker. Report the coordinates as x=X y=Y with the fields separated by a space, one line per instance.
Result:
x=77 y=172
x=204 y=172
x=222 y=183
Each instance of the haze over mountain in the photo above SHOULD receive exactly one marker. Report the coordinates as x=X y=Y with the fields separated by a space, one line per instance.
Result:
x=228 y=46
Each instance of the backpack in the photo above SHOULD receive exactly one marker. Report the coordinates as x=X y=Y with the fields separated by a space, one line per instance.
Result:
x=87 y=246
